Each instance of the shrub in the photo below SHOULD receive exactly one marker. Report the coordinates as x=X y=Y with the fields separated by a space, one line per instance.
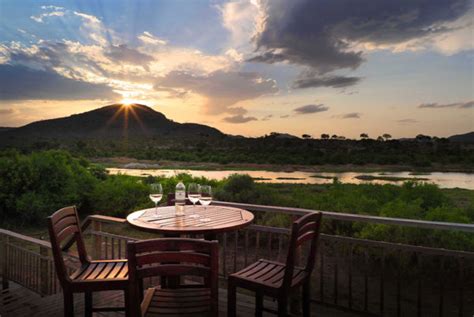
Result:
x=33 y=186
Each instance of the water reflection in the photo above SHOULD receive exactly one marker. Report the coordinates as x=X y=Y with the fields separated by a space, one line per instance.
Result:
x=442 y=179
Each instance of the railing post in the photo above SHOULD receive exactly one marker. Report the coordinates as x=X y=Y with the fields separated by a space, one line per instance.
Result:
x=5 y=240
x=44 y=274
x=296 y=296
x=97 y=226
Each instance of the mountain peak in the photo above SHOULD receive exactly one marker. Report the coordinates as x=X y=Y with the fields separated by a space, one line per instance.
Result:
x=112 y=122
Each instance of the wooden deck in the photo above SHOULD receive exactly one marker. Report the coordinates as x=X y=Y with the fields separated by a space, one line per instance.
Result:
x=18 y=302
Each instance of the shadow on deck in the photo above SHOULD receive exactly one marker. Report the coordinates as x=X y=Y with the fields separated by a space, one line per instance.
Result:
x=18 y=302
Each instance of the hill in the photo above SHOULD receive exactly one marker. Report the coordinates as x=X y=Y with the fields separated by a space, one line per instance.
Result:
x=111 y=122
x=466 y=137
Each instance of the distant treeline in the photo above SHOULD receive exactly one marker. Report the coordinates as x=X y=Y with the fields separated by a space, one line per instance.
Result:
x=275 y=149
x=35 y=185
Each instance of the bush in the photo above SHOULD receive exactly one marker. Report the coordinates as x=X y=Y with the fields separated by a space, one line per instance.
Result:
x=118 y=195
x=239 y=188
x=33 y=186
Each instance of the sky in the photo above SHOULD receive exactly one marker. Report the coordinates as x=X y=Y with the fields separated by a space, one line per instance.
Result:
x=248 y=67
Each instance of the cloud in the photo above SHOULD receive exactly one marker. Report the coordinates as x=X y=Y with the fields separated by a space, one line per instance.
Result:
x=326 y=81
x=330 y=35
x=239 y=119
x=240 y=18
x=351 y=115
x=95 y=58
x=148 y=38
x=124 y=54
x=267 y=117
x=54 y=12
x=308 y=109
x=458 y=105
x=285 y=116
x=407 y=121
x=4 y=112
x=52 y=8
x=222 y=89
x=22 y=83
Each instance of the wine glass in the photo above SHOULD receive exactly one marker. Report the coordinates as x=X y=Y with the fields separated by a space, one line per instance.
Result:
x=156 y=193
x=205 y=199
x=194 y=193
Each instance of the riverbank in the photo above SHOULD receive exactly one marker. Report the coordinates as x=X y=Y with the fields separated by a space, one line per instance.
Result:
x=121 y=162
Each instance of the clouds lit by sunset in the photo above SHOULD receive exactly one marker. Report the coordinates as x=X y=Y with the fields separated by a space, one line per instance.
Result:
x=246 y=67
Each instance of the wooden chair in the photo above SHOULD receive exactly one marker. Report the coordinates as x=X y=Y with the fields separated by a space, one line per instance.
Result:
x=92 y=276
x=279 y=280
x=174 y=257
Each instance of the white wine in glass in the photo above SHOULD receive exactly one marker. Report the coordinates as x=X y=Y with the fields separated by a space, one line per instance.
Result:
x=194 y=194
x=156 y=194
x=206 y=199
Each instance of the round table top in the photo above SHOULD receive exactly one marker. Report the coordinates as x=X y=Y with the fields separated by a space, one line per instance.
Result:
x=222 y=219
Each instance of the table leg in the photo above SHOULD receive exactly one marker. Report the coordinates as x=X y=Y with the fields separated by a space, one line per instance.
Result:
x=210 y=236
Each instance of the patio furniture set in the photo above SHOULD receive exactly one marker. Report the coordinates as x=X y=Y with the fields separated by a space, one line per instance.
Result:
x=188 y=267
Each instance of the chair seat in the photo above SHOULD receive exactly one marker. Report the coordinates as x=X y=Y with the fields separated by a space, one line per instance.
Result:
x=109 y=270
x=268 y=274
x=191 y=302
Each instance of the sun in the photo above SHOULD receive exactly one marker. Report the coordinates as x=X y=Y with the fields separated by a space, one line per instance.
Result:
x=127 y=102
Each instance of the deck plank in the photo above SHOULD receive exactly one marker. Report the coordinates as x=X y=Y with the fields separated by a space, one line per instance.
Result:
x=21 y=302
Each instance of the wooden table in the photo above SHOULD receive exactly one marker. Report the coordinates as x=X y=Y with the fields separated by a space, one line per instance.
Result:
x=222 y=219
x=164 y=221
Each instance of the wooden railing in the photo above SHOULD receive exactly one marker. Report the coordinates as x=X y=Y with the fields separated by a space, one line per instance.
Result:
x=28 y=262
x=372 y=277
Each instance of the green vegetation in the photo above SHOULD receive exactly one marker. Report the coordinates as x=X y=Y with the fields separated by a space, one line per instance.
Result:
x=33 y=186
x=419 y=154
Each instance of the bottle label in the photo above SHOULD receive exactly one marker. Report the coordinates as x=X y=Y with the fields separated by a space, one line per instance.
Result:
x=180 y=196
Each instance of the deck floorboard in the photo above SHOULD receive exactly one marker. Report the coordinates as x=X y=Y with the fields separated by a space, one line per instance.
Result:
x=21 y=302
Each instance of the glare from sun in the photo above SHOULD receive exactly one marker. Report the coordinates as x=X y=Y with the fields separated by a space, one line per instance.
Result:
x=126 y=102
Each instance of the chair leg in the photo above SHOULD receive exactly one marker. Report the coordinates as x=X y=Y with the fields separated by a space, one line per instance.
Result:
x=306 y=300
x=88 y=304
x=140 y=289
x=258 y=304
x=128 y=308
x=231 y=299
x=68 y=304
x=282 y=306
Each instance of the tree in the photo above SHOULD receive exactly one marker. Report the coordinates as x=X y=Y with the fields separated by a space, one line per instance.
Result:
x=334 y=136
x=380 y=139
x=386 y=136
x=364 y=136
x=341 y=137
x=423 y=138
x=324 y=136
x=306 y=136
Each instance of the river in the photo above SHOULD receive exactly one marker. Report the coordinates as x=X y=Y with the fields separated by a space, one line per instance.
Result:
x=442 y=179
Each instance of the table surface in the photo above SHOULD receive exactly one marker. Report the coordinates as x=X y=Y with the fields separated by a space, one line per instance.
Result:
x=222 y=219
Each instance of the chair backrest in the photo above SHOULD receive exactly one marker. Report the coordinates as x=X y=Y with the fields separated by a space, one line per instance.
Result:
x=64 y=225
x=173 y=257
x=304 y=230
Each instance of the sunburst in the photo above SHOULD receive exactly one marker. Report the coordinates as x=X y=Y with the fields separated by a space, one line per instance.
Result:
x=127 y=109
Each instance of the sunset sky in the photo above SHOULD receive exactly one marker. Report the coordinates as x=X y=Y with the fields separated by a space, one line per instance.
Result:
x=246 y=67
